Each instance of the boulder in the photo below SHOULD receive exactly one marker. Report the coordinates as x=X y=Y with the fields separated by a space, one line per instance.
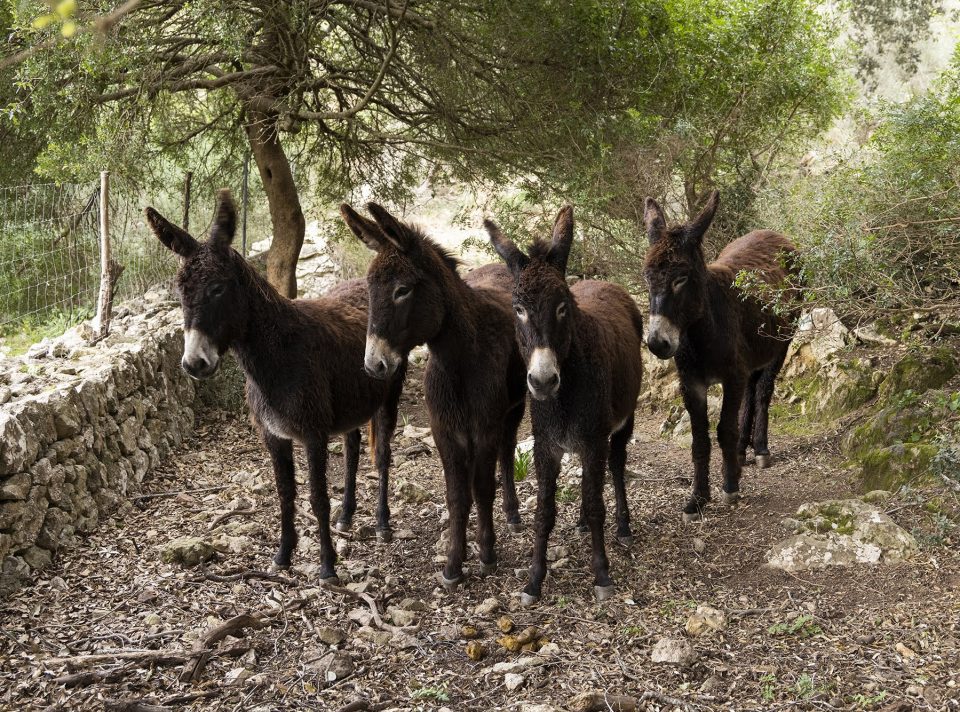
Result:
x=840 y=533
x=820 y=335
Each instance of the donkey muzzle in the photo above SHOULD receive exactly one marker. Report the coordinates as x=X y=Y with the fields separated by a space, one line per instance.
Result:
x=380 y=360
x=663 y=337
x=543 y=374
x=200 y=355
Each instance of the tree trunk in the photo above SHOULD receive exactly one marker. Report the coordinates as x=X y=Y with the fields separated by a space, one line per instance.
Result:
x=286 y=215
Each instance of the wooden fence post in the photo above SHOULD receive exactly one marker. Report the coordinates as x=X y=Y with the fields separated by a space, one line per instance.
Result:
x=105 y=301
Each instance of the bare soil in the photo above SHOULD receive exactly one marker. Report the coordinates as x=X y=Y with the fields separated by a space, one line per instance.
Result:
x=863 y=638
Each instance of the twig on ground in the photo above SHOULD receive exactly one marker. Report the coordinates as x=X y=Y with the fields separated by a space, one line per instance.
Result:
x=246 y=575
x=202 y=653
x=174 y=493
x=220 y=519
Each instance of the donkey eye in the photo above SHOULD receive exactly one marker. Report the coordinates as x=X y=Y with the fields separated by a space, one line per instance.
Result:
x=561 y=310
x=678 y=283
x=401 y=292
x=216 y=290
x=521 y=312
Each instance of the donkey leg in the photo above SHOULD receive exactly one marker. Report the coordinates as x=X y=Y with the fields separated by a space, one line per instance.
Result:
x=764 y=393
x=281 y=455
x=727 y=437
x=351 y=461
x=484 y=492
x=695 y=401
x=546 y=458
x=320 y=503
x=618 y=465
x=508 y=447
x=594 y=472
x=582 y=526
x=747 y=410
x=456 y=474
x=384 y=423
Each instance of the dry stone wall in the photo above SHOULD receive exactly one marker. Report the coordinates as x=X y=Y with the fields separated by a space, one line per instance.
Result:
x=82 y=425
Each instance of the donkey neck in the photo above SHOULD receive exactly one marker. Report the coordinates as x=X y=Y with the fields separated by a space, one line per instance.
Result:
x=456 y=339
x=271 y=328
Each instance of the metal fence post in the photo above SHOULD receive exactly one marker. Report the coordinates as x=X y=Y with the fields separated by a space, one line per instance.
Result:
x=105 y=301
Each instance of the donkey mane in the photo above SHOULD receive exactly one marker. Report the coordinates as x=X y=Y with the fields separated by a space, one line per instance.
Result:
x=425 y=241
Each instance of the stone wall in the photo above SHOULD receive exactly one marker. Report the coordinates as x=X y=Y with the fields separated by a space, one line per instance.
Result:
x=82 y=425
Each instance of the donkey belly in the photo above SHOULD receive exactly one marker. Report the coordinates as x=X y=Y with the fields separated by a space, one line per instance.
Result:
x=278 y=424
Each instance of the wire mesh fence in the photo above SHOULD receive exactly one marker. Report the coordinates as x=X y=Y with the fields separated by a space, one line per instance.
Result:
x=50 y=249
x=49 y=254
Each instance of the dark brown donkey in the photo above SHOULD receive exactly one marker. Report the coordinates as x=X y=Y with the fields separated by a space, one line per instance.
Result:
x=719 y=334
x=582 y=347
x=301 y=359
x=474 y=378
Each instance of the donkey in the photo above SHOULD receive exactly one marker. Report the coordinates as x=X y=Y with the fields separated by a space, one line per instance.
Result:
x=300 y=359
x=719 y=334
x=474 y=381
x=582 y=349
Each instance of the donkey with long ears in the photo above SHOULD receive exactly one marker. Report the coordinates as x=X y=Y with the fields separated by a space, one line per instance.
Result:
x=582 y=348
x=474 y=380
x=717 y=333
x=301 y=361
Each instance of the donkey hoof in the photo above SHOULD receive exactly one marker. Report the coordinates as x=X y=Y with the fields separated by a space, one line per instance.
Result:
x=343 y=525
x=604 y=592
x=625 y=540
x=276 y=568
x=450 y=585
x=384 y=536
x=764 y=461
x=332 y=580
x=689 y=517
x=730 y=498
x=488 y=569
x=527 y=599
x=514 y=527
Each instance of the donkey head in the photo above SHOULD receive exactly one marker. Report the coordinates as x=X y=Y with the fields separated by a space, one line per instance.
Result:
x=676 y=275
x=542 y=301
x=214 y=305
x=406 y=302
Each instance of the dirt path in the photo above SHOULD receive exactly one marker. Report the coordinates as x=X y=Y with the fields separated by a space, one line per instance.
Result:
x=853 y=639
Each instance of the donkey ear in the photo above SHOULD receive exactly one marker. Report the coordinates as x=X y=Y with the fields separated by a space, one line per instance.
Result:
x=562 y=239
x=175 y=238
x=392 y=228
x=696 y=229
x=367 y=230
x=224 y=220
x=506 y=248
x=654 y=219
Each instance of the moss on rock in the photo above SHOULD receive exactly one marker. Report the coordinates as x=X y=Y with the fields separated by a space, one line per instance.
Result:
x=919 y=372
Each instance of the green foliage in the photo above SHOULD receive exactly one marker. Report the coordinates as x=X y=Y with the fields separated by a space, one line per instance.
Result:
x=803 y=626
x=768 y=687
x=521 y=465
x=437 y=694
x=881 y=232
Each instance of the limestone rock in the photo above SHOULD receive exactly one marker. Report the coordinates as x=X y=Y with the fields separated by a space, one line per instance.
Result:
x=919 y=372
x=820 y=335
x=411 y=492
x=706 y=620
x=186 y=551
x=841 y=533
x=488 y=607
x=674 y=651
